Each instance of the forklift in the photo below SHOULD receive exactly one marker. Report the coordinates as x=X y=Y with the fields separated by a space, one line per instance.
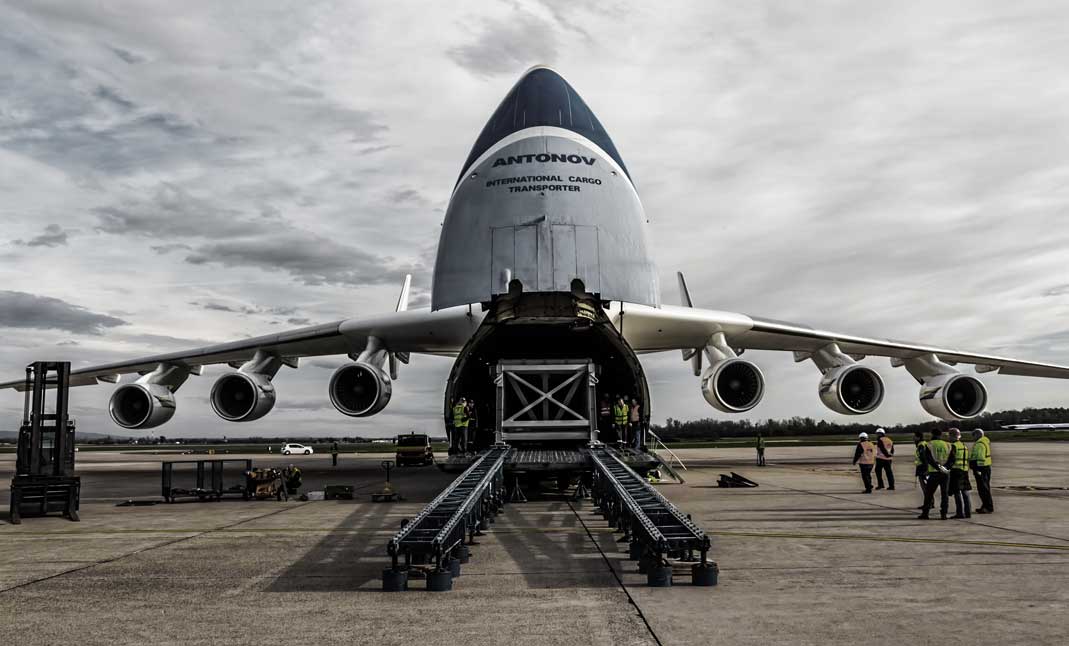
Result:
x=44 y=478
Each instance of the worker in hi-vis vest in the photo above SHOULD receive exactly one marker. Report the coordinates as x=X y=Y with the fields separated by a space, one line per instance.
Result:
x=885 y=452
x=620 y=413
x=920 y=466
x=959 y=477
x=460 y=425
x=759 y=444
x=980 y=462
x=865 y=457
x=938 y=457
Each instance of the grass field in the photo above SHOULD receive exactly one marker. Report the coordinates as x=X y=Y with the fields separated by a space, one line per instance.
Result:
x=440 y=447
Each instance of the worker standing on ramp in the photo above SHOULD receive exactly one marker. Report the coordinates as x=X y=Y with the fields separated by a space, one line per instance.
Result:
x=885 y=452
x=620 y=414
x=334 y=454
x=460 y=425
x=980 y=461
x=938 y=456
x=759 y=444
x=865 y=457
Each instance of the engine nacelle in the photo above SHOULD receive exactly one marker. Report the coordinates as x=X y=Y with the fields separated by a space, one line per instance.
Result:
x=733 y=385
x=141 y=406
x=360 y=389
x=242 y=397
x=851 y=389
x=953 y=396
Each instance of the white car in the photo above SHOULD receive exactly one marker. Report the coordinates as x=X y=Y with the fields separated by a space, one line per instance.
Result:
x=288 y=449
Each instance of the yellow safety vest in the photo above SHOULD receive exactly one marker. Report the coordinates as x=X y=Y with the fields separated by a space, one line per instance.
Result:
x=918 y=453
x=888 y=444
x=961 y=460
x=460 y=416
x=868 y=453
x=981 y=452
x=940 y=452
x=619 y=413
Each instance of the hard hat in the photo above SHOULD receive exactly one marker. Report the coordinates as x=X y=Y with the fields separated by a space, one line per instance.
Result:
x=880 y=431
x=862 y=436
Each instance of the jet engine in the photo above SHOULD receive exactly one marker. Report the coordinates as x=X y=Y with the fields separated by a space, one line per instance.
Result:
x=953 y=396
x=242 y=397
x=141 y=405
x=733 y=385
x=360 y=389
x=851 y=389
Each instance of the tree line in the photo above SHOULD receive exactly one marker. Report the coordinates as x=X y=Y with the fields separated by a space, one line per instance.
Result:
x=714 y=429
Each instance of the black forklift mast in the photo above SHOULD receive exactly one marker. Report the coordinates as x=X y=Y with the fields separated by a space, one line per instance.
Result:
x=44 y=468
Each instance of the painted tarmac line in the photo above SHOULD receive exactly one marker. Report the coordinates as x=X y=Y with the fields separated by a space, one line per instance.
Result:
x=890 y=539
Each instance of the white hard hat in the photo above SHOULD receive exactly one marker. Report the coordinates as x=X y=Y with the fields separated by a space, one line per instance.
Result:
x=862 y=436
x=880 y=431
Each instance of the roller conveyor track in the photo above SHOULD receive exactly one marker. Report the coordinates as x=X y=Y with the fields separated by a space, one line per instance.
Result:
x=459 y=511
x=650 y=523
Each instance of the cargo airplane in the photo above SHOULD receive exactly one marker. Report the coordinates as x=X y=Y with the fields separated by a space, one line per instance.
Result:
x=545 y=294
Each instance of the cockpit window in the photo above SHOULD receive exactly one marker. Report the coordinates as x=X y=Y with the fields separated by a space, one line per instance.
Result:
x=542 y=98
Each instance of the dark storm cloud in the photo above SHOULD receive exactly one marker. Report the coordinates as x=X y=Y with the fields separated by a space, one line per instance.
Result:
x=112 y=96
x=22 y=310
x=169 y=212
x=244 y=309
x=308 y=257
x=53 y=236
x=407 y=196
x=127 y=56
x=168 y=248
x=506 y=45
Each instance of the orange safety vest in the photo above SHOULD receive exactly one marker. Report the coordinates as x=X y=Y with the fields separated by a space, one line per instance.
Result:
x=868 y=453
x=889 y=445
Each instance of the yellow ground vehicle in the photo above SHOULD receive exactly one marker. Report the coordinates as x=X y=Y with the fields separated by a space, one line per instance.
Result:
x=414 y=448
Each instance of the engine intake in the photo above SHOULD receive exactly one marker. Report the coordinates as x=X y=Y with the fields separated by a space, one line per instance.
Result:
x=360 y=389
x=953 y=396
x=242 y=397
x=733 y=385
x=141 y=406
x=851 y=389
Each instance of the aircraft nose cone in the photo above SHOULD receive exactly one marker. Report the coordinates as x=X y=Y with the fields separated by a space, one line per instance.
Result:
x=542 y=98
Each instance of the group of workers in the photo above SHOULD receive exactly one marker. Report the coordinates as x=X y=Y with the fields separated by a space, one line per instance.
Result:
x=618 y=416
x=938 y=463
x=624 y=417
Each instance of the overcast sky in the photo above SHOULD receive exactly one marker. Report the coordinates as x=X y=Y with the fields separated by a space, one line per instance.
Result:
x=181 y=173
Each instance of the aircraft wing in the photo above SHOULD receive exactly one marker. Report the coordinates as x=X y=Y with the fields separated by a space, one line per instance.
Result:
x=649 y=329
x=443 y=332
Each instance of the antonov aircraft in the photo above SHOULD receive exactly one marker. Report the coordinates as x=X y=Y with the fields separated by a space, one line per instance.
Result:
x=545 y=293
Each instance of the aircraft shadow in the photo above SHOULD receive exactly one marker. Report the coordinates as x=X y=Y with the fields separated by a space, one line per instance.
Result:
x=546 y=559
x=342 y=561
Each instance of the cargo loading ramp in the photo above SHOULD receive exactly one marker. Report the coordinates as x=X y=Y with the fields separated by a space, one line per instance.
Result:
x=651 y=525
x=436 y=535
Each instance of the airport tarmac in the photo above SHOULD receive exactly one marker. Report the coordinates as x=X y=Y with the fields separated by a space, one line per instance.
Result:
x=805 y=559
